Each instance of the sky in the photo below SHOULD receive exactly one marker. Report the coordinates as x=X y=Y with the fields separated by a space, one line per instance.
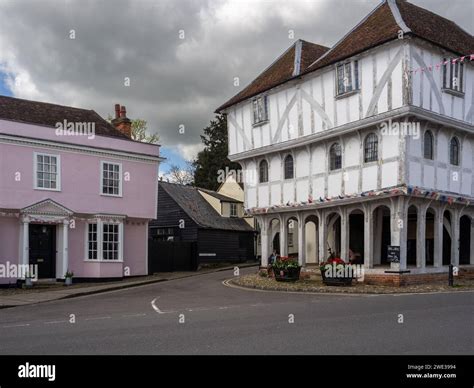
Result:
x=170 y=62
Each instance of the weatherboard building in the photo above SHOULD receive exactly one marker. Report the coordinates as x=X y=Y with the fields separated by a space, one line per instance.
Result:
x=366 y=147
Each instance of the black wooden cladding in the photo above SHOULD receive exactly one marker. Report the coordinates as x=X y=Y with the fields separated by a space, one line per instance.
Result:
x=193 y=244
x=169 y=256
x=226 y=245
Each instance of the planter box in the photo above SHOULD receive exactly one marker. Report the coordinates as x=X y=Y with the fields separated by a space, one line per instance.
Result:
x=288 y=275
x=336 y=281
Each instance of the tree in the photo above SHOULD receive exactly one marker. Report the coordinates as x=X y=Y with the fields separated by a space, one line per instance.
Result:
x=182 y=176
x=212 y=162
x=139 y=128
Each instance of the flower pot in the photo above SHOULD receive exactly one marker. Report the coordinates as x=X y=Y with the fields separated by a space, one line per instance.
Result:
x=335 y=280
x=287 y=275
x=68 y=281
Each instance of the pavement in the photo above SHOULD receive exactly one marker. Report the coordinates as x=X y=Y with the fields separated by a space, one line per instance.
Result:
x=19 y=297
x=201 y=315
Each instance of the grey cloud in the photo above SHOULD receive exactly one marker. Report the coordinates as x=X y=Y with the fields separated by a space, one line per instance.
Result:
x=173 y=81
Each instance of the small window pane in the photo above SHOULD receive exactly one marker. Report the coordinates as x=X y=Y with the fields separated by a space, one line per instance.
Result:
x=371 y=148
x=289 y=168
x=428 y=145
x=335 y=157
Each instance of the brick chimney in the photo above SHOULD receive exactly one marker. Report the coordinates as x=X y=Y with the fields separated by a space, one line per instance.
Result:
x=121 y=121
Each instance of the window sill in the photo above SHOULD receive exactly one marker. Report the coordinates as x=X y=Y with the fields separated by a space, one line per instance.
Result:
x=111 y=195
x=455 y=93
x=371 y=163
x=46 y=189
x=260 y=123
x=102 y=261
x=347 y=94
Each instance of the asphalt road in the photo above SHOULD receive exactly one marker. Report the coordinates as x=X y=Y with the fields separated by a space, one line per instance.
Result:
x=200 y=315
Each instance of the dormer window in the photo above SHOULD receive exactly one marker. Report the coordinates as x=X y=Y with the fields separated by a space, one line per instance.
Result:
x=453 y=74
x=347 y=77
x=260 y=110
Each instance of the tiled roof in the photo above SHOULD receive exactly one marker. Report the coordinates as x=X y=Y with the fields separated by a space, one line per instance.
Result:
x=381 y=25
x=283 y=69
x=200 y=211
x=42 y=113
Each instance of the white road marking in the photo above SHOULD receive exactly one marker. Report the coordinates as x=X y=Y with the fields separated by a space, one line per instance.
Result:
x=53 y=322
x=157 y=309
x=18 y=325
x=133 y=315
x=96 y=318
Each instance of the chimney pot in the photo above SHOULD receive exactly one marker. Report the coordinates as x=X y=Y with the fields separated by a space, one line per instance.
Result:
x=123 y=111
x=117 y=111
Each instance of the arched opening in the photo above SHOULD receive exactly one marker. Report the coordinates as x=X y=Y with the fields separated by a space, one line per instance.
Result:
x=356 y=236
x=412 y=232
x=429 y=236
x=447 y=238
x=382 y=234
x=334 y=233
x=292 y=237
x=311 y=239
x=465 y=240
x=274 y=233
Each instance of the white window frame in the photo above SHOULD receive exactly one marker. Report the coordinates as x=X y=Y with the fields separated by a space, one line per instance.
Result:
x=233 y=205
x=447 y=74
x=35 y=171
x=355 y=76
x=100 y=239
x=120 y=194
x=256 y=110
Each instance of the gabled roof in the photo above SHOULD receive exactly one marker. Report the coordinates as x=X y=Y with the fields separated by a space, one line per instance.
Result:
x=290 y=64
x=384 y=23
x=42 y=113
x=219 y=196
x=380 y=26
x=200 y=211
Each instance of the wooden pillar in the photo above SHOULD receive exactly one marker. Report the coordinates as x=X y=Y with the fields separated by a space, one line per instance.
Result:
x=283 y=237
x=421 y=237
x=301 y=242
x=344 y=235
x=455 y=238
x=399 y=232
x=368 y=238
x=323 y=236
x=438 y=238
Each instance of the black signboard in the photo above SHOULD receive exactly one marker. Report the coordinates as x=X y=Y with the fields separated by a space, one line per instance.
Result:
x=393 y=253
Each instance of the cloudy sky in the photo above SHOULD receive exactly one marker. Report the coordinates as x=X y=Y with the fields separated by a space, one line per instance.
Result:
x=181 y=56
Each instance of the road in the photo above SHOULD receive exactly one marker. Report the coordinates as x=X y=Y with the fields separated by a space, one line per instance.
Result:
x=200 y=315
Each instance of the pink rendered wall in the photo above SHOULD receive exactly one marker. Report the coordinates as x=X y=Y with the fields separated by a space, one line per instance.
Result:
x=80 y=183
x=135 y=253
x=9 y=243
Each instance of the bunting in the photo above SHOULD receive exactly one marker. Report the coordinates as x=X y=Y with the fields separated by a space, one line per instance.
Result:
x=405 y=190
x=438 y=66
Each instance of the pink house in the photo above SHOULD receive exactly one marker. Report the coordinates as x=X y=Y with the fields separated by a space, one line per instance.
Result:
x=76 y=193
